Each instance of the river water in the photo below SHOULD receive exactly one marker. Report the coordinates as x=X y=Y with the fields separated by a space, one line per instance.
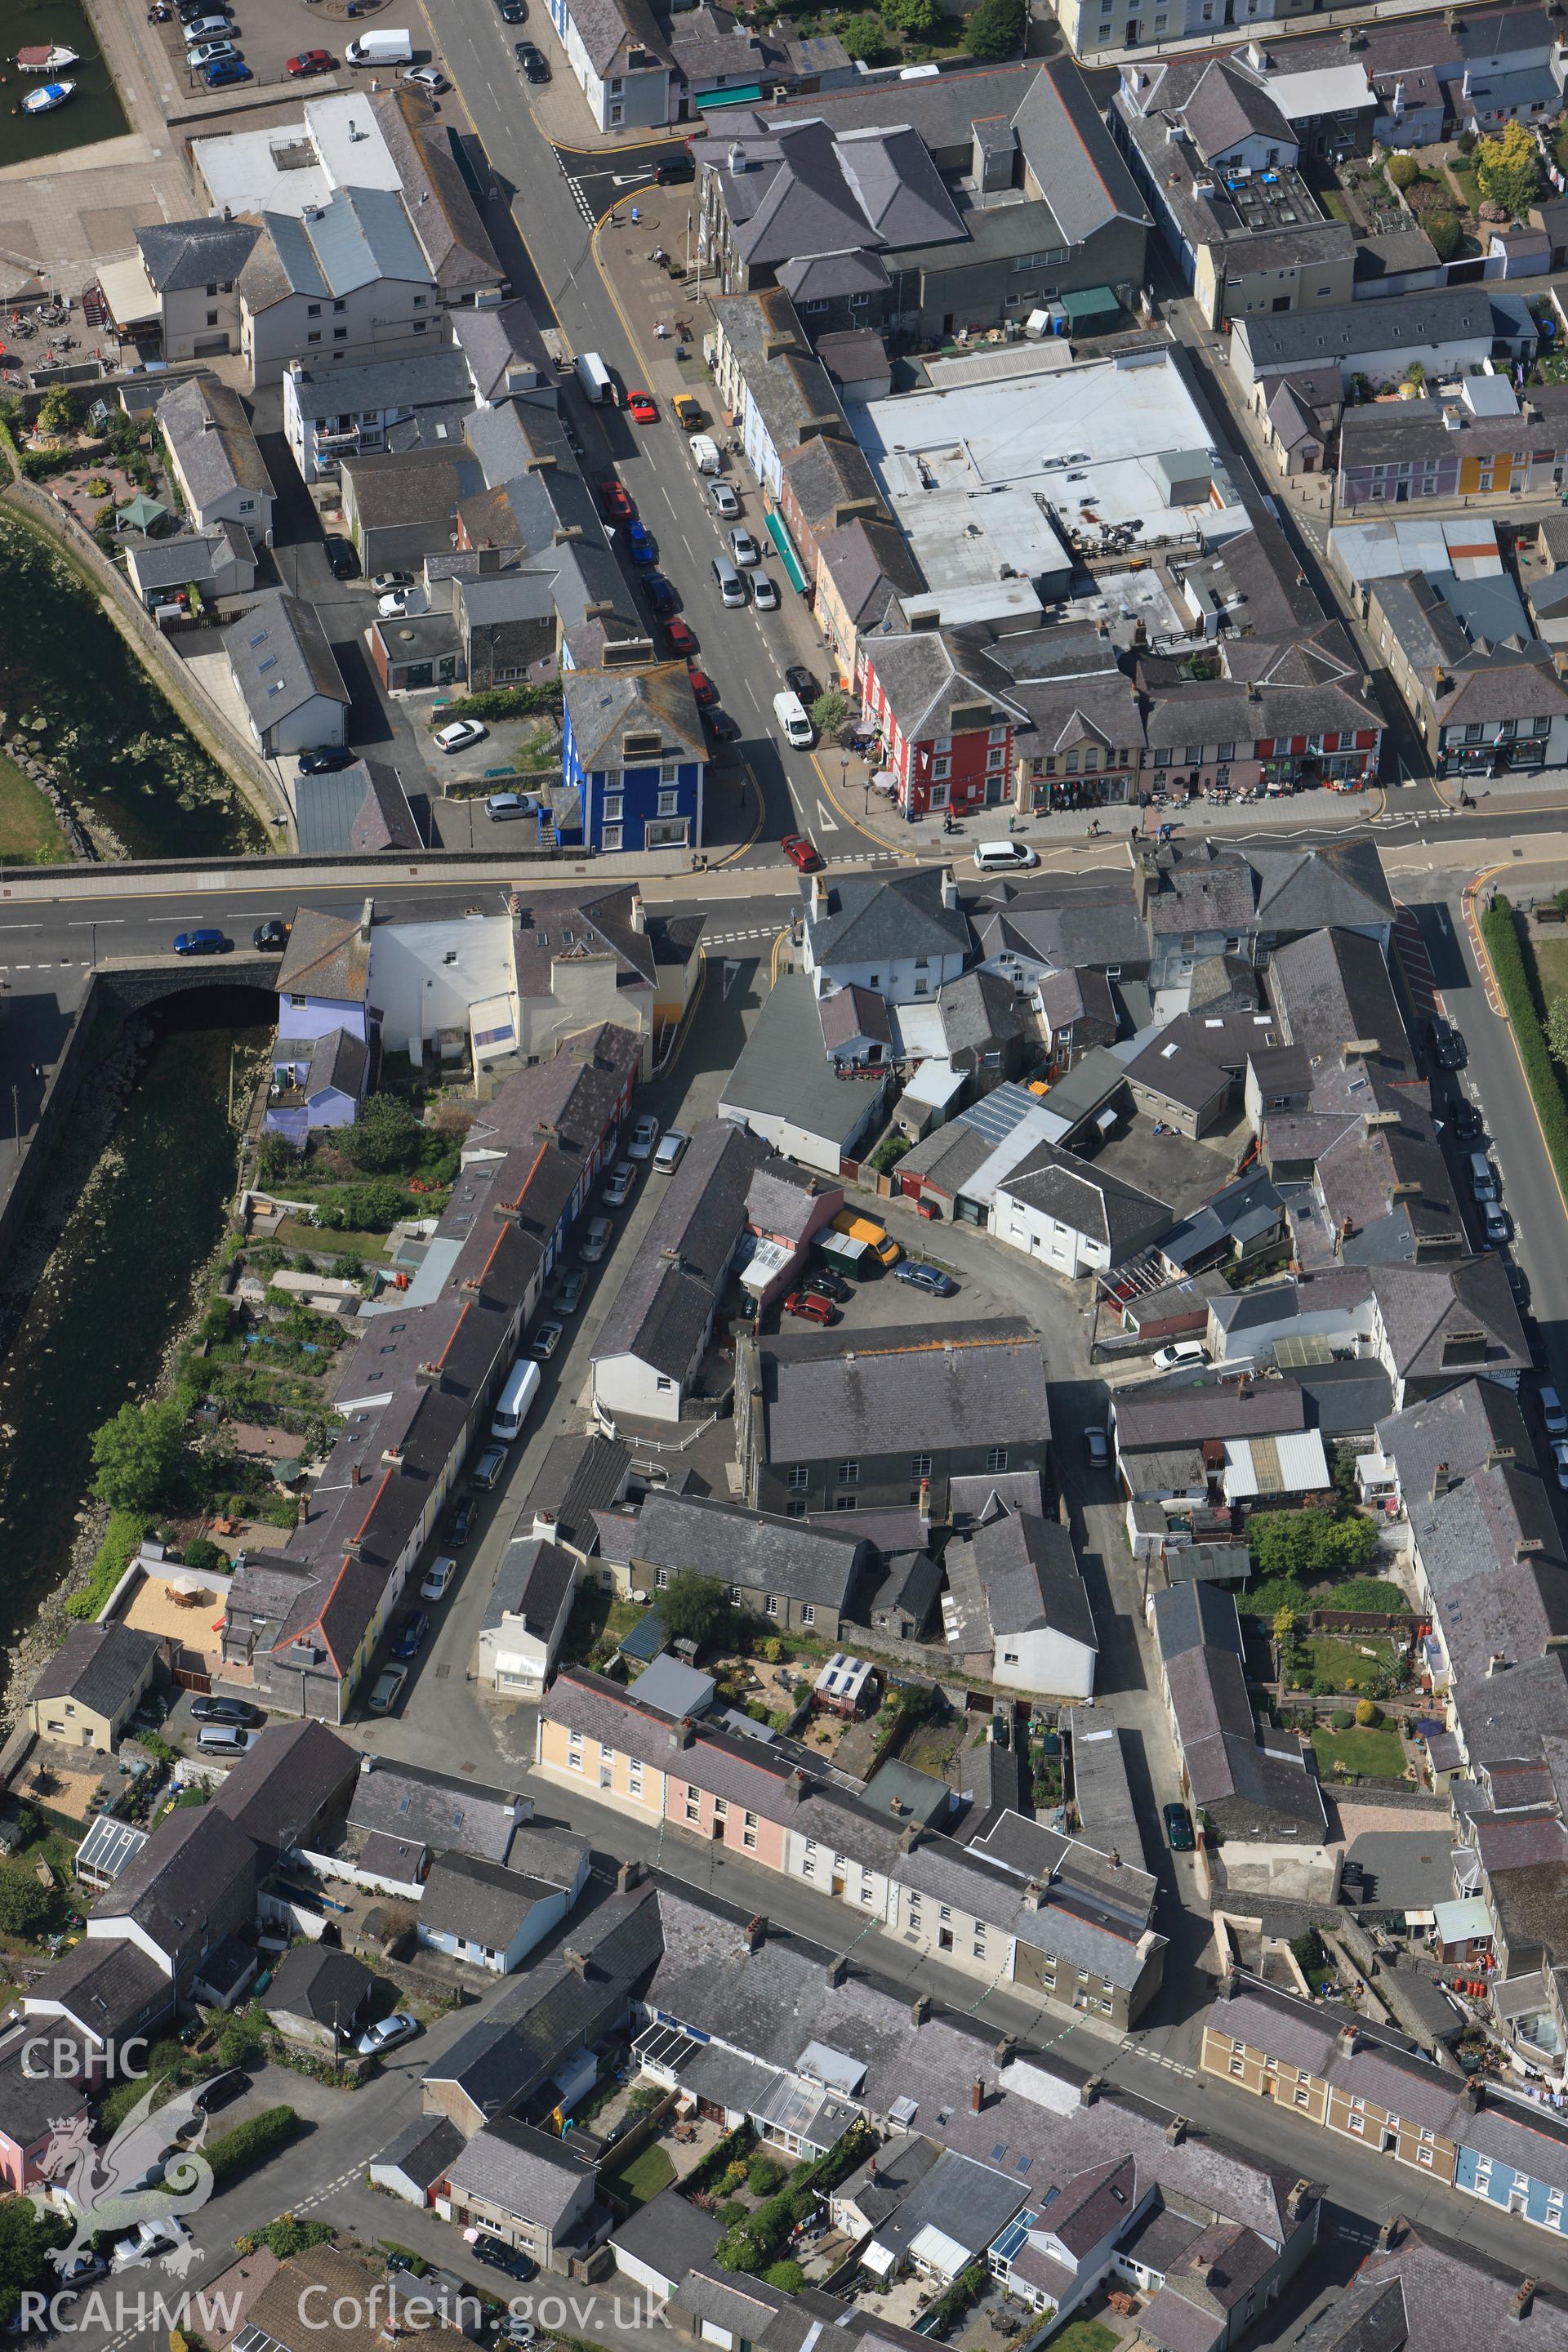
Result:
x=105 y=723
x=95 y=112
x=117 y=1286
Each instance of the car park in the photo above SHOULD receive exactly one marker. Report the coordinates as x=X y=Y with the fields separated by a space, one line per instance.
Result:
x=801 y=853
x=200 y=942
x=766 y=593
x=811 y=1307
x=597 y=1235
x=217 y=1709
x=703 y=689
x=1178 y=1828
x=461 y=1525
x=639 y=544
x=830 y=1285
x=617 y=1191
x=567 y=1296
x=225 y=72
x=425 y=77
x=327 y=759
x=459 y=735
x=270 y=936
x=376 y=2040
x=726 y=505
x=210 y=27
x=489 y=1467
x=546 y=1339
x=800 y=681
x=744 y=550
x=672 y=1144
x=386 y=580
x=501 y=805
x=340 y=557
x=925 y=1277
x=387 y=1689
x=437 y=1577
x=643 y=406
x=644 y=1135
x=411 y=1635
x=533 y=59
x=1552 y=1414
x=1097 y=1449
x=309 y=61
x=617 y=499
x=680 y=638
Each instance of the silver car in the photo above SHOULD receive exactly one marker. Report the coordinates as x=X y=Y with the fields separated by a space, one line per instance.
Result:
x=725 y=502
x=744 y=550
x=595 y=1240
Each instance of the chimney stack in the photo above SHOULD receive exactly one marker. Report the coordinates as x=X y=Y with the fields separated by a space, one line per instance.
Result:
x=366 y=916
x=1003 y=2051
x=1301 y=2194
x=1175 y=2131
x=680 y=1734
x=1439 y=1480
x=949 y=888
x=977 y=2096
x=639 y=913
x=1391 y=2232
x=1090 y=2089
x=576 y=1961
x=1525 y=2295
x=628 y=1876
x=545 y=1525
x=919 y=2009
x=1349 y=2041
x=835 y=1972
x=756 y=1933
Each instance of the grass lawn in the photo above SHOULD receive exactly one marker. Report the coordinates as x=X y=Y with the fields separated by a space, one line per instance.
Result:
x=1379 y=1752
x=294 y=1234
x=597 y=1617
x=1340 y=1661
x=649 y=2171
x=1462 y=174
x=1335 y=204
x=1552 y=963
x=1085 y=2336
x=29 y=834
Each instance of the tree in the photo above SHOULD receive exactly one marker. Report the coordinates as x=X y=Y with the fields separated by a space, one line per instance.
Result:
x=25 y=2238
x=1366 y=1713
x=1557 y=1027
x=136 y=1456
x=788 y=2277
x=827 y=711
x=1402 y=170
x=694 y=1608
x=1415 y=375
x=386 y=1139
x=1284 y=1625
x=204 y=1556
x=863 y=38
x=59 y=414
x=915 y=17
x=996 y=28
x=1307 y=1950
x=27 y=1908
x=1508 y=170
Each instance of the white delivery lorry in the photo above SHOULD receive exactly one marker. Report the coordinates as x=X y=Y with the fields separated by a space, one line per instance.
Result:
x=513 y=1404
x=594 y=377
x=384 y=49
x=705 y=453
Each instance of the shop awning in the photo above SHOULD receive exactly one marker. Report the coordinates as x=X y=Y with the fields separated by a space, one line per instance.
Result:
x=781 y=540
x=1091 y=305
x=747 y=95
x=129 y=294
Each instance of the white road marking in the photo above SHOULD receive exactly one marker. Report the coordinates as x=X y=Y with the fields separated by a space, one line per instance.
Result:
x=97 y=925
x=828 y=824
x=751 y=690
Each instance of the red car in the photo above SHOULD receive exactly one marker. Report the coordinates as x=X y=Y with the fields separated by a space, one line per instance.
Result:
x=617 y=499
x=811 y=1307
x=800 y=852
x=703 y=687
x=309 y=61
x=679 y=639
x=643 y=406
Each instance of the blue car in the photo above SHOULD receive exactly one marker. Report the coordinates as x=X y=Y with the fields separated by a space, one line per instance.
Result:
x=639 y=544
x=226 y=70
x=660 y=594
x=925 y=1277
x=201 y=943
x=411 y=1635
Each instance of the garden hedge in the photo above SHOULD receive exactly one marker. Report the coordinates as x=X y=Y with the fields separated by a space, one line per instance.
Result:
x=252 y=2143
x=498 y=702
x=1513 y=962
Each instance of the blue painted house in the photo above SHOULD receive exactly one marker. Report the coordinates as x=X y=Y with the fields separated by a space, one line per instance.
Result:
x=1516 y=2158
x=322 y=1054
x=633 y=746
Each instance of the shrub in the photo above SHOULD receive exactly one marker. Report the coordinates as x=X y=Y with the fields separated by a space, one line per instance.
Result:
x=1466 y=142
x=763 y=2176
x=889 y=1153
x=1367 y=1713
x=915 y=17
x=1308 y=1543
x=1508 y=171
x=252 y=2143
x=1402 y=170
x=1369 y=1592
x=115 y=1553
x=497 y=702
x=1308 y=1950
x=1322 y=1686
x=996 y=28
x=204 y=1556
x=1340 y=1719
x=1513 y=962
x=1446 y=232
x=788 y=2277
x=384 y=1140
x=27 y=1908
x=828 y=712
x=59 y=413
x=285 y=2236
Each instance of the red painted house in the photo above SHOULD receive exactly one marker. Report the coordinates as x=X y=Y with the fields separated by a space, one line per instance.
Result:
x=944 y=730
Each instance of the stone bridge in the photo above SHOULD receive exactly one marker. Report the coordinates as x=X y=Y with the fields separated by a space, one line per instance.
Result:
x=135 y=982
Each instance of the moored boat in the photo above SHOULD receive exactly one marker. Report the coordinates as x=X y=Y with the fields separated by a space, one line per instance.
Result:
x=45 y=101
x=46 y=60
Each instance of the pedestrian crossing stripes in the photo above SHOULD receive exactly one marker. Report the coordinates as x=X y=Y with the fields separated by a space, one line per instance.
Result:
x=733 y=938
x=578 y=198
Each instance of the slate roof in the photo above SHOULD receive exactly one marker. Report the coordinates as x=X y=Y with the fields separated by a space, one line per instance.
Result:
x=448 y=1815
x=34 y=2098
x=281 y=657
x=578 y=1477
x=872 y=919
x=327 y=956
x=531 y=1585
x=1167 y=1417
x=668 y=1294
x=207 y=428
x=445 y=218
x=1227 y=107
x=479 y=1901
x=1309 y=889
x=290 y=1775
x=1029 y=1574
x=1332 y=988
x=1465 y=1428
x=100 y=1666
x=787 y=1557
x=602 y=705
x=422 y=2150
x=185 y=1871
x=363 y=808
x=1088 y=1200
x=1433 y=2296
x=669 y=2233
x=802 y=189
x=889 y=1391
x=180 y=256
x=1454 y=314
x=329 y=1987
x=107 y=1985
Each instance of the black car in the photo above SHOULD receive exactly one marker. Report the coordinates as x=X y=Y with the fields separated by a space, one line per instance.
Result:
x=800 y=681
x=1448 y=1046
x=514 y=12
x=459 y=1526
x=221 y=2090
x=724 y=729
x=269 y=936
x=238 y=1711
x=340 y=556
x=327 y=759
x=1468 y=1124
x=658 y=592
x=678 y=167
x=1519 y=1283
x=829 y=1285
x=532 y=61
x=499 y=2256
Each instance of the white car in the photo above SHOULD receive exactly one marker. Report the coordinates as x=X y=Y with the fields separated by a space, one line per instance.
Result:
x=428 y=78
x=617 y=1191
x=668 y=1156
x=375 y=2039
x=459 y=735
x=1560 y=1456
x=1552 y=1414
x=596 y=1239
x=997 y=856
x=395 y=603
x=386 y=580
x=644 y=1135
x=765 y=592
x=438 y=1577
x=209 y=53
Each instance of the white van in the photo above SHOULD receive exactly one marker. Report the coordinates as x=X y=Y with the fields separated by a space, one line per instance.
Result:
x=705 y=453
x=1001 y=856
x=794 y=724
x=1182 y=1354
x=384 y=49
x=594 y=377
x=515 y=1400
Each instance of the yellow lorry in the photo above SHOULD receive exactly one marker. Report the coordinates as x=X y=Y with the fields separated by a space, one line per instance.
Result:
x=868 y=1233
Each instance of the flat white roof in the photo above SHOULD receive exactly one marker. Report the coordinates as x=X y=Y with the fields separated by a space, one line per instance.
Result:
x=271 y=170
x=1331 y=90
x=978 y=475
